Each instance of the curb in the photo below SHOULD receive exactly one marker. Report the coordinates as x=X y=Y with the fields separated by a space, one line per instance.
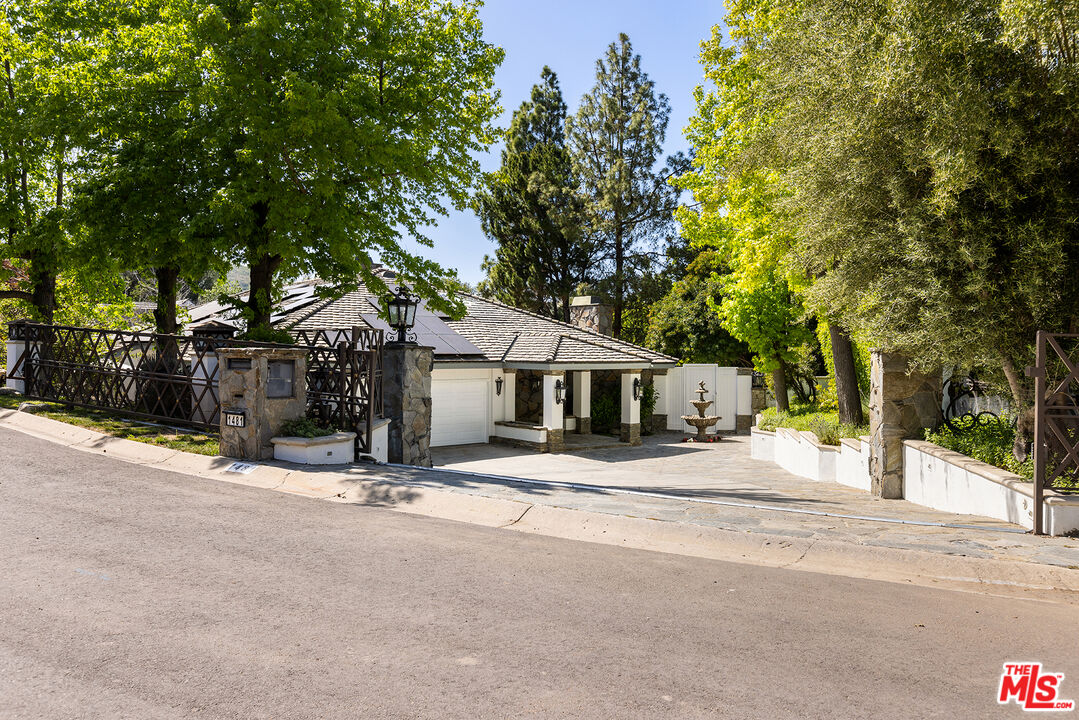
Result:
x=1000 y=577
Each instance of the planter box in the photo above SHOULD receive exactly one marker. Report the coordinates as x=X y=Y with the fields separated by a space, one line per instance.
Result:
x=800 y=453
x=797 y=452
x=945 y=480
x=852 y=466
x=762 y=444
x=335 y=449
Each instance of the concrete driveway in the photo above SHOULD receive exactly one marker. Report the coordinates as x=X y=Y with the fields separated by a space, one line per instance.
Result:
x=721 y=471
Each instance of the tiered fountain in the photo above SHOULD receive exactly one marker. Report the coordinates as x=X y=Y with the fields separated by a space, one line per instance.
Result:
x=701 y=421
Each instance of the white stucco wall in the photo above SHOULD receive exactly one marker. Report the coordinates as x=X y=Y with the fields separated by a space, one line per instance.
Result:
x=852 y=465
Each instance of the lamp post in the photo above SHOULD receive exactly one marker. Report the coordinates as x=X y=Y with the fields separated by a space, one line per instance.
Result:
x=401 y=313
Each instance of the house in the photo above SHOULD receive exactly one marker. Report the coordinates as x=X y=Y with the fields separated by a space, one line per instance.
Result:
x=502 y=374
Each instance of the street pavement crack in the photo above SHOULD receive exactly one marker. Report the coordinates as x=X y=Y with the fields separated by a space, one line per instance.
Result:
x=518 y=517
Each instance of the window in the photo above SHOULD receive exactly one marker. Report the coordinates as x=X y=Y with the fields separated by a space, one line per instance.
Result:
x=280 y=381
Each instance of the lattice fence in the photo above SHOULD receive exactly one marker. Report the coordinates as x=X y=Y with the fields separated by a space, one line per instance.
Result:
x=174 y=378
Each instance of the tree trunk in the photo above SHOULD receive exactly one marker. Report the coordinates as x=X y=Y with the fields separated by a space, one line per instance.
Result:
x=1023 y=401
x=43 y=284
x=779 y=383
x=263 y=266
x=619 y=283
x=260 y=297
x=846 y=377
x=165 y=312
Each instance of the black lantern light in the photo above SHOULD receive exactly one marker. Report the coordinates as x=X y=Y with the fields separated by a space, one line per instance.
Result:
x=559 y=386
x=401 y=313
x=636 y=388
x=498 y=385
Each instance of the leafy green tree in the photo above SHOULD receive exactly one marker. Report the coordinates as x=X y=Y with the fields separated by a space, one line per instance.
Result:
x=929 y=149
x=330 y=131
x=531 y=206
x=44 y=46
x=617 y=138
x=148 y=181
x=683 y=324
x=739 y=198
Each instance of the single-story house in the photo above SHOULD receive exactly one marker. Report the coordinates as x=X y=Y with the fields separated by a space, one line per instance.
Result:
x=501 y=373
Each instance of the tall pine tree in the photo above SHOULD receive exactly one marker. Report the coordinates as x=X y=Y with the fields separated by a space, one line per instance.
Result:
x=616 y=139
x=531 y=206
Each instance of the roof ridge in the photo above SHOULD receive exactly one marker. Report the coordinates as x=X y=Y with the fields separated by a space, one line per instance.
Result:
x=565 y=324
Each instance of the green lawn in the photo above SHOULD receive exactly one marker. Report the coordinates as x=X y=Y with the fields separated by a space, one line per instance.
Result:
x=184 y=440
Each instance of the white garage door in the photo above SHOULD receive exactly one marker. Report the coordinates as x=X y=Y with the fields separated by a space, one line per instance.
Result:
x=458 y=412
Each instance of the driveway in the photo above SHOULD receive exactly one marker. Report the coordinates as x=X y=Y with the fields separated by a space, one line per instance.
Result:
x=722 y=471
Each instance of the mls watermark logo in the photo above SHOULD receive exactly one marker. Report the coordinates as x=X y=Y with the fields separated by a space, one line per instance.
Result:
x=1032 y=689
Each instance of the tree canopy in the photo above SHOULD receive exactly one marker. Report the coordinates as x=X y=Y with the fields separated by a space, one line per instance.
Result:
x=533 y=208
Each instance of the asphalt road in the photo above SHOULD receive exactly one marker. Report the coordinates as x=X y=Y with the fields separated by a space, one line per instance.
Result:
x=134 y=593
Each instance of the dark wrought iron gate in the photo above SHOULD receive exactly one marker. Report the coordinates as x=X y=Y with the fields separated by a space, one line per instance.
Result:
x=173 y=378
x=1056 y=418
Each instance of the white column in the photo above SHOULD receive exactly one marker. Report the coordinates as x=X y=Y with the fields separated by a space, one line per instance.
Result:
x=15 y=350
x=631 y=409
x=509 y=396
x=582 y=400
x=552 y=412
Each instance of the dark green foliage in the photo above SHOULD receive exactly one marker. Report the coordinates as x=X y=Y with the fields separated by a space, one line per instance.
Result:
x=617 y=138
x=531 y=206
x=683 y=324
x=268 y=335
x=990 y=441
x=304 y=427
x=606 y=411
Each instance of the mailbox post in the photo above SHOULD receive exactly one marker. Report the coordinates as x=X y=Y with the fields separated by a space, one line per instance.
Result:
x=260 y=389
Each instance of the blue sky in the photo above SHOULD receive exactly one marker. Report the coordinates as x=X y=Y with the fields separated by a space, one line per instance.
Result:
x=570 y=36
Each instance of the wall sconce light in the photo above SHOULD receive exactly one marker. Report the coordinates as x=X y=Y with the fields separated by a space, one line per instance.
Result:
x=636 y=388
x=559 y=386
x=498 y=385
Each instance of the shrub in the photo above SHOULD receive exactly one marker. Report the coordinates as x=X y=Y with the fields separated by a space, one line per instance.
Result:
x=825 y=425
x=989 y=441
x=304 y=427
x=606 y=411
x=269 y=335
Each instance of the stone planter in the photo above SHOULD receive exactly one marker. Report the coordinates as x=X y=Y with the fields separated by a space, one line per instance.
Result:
x=336 y=449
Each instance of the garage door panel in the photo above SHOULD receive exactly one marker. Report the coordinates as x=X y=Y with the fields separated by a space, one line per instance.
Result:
x=458 y=412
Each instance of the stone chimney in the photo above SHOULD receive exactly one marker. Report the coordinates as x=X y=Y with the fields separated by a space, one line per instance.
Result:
x=587 y=312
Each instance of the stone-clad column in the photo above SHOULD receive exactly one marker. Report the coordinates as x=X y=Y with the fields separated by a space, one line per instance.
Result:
x=263 y=386
x=631 y=409
x=902 y=403
x=406 y=399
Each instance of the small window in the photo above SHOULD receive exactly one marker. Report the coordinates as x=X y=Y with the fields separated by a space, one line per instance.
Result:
x=239 y=363
x=281 y=379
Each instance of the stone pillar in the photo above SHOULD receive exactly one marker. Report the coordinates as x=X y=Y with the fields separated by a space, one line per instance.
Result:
x=259 y=388
x=588 y=313
x=582 y=401
x=554 y=412
x=406 y=399
x=509 y=395
x=902 y=403
x=659 y=414
x=631 y=409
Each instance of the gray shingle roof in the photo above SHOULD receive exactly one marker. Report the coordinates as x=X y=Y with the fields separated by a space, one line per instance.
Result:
x=489 y=332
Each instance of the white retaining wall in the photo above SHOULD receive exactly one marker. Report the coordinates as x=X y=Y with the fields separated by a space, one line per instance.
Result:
x=932 y=476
